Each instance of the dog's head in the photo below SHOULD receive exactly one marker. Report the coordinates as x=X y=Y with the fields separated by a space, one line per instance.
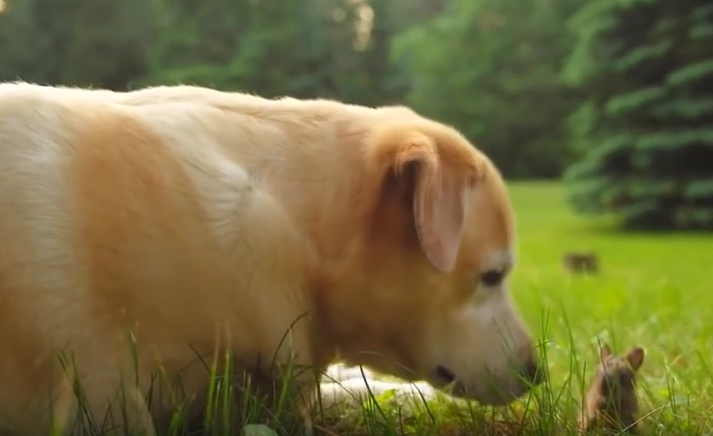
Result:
x=433 y=301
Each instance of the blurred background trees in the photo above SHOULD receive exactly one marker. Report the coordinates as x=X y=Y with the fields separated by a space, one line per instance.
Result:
x=647 y=120
x=613 y=96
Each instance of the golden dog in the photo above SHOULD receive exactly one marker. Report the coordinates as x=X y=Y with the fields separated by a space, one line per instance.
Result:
x=139 y=228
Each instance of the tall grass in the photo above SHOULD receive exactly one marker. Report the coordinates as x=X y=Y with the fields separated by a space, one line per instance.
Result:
x=653 y=290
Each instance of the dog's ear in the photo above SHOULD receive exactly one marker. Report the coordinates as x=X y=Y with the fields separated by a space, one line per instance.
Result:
x=440 y=192
x=635 y=357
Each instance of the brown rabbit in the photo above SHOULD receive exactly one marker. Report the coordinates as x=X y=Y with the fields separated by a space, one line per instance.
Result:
x=611 y=401
x=581 y=262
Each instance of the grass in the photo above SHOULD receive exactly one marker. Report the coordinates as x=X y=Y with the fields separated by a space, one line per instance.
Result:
x=652 y=290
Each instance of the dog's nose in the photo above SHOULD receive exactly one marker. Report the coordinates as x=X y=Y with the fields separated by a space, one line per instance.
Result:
x=445 y=374
x=534 y=372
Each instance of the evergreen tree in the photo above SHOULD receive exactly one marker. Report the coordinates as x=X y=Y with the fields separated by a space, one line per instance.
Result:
x=491 y=69
x=647 y=124
x=99 y=43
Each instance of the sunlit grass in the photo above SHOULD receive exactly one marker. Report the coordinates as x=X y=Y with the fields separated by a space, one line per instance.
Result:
x=652 y=290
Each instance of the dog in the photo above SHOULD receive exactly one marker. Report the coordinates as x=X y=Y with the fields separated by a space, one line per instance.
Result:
x=142 y=228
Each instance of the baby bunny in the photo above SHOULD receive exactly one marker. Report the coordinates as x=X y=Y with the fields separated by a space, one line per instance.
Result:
x=611 y=402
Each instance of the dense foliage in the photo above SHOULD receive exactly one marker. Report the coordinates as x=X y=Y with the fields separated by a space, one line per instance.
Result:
x=491 y=67
x=502 y=91
x=647 y=122
x=618 y=91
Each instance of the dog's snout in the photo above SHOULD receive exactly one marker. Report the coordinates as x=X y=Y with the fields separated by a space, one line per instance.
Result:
x=445 y=374
x=533 y=371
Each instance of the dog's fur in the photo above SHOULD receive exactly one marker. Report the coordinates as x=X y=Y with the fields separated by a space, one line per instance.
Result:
x=171 y=220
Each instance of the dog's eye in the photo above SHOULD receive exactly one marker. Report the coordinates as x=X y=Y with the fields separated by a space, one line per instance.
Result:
x=492 y=277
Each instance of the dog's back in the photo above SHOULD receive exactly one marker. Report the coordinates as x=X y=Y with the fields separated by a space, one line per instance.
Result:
x=110 y=224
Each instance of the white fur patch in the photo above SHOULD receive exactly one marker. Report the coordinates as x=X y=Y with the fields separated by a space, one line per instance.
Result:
x=344 y=386
x=224 y=185
x=39 y=222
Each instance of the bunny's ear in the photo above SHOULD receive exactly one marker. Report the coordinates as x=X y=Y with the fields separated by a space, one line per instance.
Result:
x=604 y=350
x=635 y=357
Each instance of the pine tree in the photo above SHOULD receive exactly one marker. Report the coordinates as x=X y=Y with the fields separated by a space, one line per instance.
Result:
x=647 y=126
x=490 y=68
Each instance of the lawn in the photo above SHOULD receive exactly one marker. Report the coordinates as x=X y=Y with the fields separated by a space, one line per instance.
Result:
x=652 y=290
